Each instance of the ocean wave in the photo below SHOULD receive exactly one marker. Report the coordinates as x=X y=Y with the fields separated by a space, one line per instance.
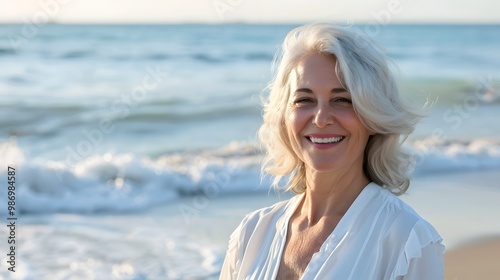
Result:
x=259 y=56
x=7 y=51
x=126 y=182
x=453 y=156
x=210 y=114
x=160 y=56
x=76 y=54
x=157 y=56
x=53 y=122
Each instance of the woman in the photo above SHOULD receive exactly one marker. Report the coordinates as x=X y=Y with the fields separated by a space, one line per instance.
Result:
x=334 y=123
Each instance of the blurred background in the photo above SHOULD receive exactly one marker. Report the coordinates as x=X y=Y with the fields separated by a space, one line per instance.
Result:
x=132 y=126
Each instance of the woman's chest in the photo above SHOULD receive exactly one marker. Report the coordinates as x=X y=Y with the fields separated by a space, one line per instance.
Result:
x=301 y=244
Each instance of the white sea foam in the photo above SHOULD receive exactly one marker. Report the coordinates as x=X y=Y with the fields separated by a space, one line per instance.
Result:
x=158 y=245
x=125 y=182
x=432 y=157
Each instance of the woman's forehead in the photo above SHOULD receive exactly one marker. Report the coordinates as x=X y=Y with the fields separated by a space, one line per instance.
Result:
x=315 y=70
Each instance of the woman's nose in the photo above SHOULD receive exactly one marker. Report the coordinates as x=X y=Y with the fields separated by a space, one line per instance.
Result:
x=323 y=116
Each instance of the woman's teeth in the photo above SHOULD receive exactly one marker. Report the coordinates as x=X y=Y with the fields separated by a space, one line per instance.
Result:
x=326 y=140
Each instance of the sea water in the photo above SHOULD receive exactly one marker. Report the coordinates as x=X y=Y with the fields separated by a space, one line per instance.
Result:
x=104 y=123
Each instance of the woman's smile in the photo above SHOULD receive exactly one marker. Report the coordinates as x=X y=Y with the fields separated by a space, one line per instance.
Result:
x=324 y=141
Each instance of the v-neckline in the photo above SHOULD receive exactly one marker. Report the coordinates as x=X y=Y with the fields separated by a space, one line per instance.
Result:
x=351 y=211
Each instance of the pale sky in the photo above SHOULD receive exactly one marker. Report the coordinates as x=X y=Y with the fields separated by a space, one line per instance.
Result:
x=258 y=11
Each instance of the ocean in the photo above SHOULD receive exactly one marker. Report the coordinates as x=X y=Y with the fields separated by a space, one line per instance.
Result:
x=124 y=137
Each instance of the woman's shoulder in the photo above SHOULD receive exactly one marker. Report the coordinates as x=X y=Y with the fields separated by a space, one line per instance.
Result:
x=395 y=204
x=402 y=221
x=404 y=235
x=406 y=224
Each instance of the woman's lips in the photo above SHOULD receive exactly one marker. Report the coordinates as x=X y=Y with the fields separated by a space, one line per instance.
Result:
x=325 y=141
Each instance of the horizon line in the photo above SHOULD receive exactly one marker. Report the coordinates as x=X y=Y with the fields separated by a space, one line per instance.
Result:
x=251 y=23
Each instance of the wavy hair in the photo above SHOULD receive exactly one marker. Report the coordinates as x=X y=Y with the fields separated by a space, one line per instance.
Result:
x=362 y=68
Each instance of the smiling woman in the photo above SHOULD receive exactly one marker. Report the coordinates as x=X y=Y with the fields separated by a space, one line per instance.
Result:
x=334 y=123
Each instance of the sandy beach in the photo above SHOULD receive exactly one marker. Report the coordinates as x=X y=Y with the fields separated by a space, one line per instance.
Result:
x=478 y=260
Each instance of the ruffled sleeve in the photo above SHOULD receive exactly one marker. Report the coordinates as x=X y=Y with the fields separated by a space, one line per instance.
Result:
x=422 y=257
x=233 y=255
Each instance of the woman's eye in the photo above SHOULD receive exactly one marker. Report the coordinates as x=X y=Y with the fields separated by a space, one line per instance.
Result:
x=303 y=101
x=342 y=99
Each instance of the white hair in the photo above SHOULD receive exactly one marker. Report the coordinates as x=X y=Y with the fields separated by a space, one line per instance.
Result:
x=363 y=69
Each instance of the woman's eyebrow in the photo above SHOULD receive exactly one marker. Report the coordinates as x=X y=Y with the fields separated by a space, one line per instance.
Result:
x=308 y=90
x=339 y=90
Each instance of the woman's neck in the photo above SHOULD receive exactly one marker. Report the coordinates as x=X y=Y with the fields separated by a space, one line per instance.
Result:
x=330 y=194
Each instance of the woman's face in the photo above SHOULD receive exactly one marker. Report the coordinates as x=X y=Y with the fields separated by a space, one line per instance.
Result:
x=323 y=128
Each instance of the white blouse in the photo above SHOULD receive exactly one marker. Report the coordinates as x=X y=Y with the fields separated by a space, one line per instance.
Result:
x=379 y=237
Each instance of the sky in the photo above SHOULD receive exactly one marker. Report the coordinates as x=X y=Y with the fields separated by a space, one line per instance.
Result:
x=249 y=11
